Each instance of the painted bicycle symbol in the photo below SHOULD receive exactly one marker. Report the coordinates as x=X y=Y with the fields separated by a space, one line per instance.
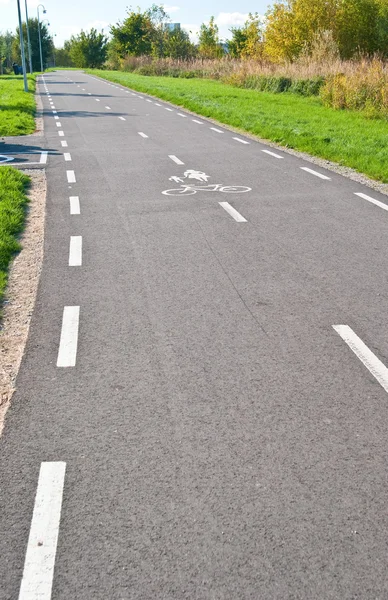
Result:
x=188 y=189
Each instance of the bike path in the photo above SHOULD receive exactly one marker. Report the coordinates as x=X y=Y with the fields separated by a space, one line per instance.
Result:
x=218 y=436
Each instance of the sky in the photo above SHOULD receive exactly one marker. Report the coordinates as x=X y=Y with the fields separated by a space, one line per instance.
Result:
x=68 y=17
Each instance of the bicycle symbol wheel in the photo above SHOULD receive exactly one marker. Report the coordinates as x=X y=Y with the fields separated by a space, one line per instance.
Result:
x=180 y=192
x=235 y=189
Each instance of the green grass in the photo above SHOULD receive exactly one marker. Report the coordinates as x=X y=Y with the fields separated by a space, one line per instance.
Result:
x=13 y=202
x=17 y=108
x=303 y=123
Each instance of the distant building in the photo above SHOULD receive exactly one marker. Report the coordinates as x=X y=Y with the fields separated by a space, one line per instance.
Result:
x=172 y=26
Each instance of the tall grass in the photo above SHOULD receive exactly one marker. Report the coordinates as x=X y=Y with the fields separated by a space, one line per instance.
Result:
x=360 y=84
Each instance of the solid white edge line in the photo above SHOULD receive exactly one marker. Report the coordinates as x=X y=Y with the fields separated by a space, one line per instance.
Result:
x=43 y=158
x=233 y=212
x=143 y=135
x=70 y=177
x=39 y=562
x=272 y=153
x=67 y=156
x=67 y=352
x=241 y=141
x=74 y=205
x=372 y=200
x=312 y=172
x=175 y=159
x=75 y=251
x=366 y=356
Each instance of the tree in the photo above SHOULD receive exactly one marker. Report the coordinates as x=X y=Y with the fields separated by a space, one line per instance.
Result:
x=177 y=44
x=46 y=41
x=133 y=36
x=209 y=41
x=247 y=41
x=6 y=44
x=63 y=57
x=88 y=49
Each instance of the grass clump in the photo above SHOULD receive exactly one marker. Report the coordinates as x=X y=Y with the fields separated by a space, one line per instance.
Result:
x=13 y=201
x=291 y=120
x=17 y=107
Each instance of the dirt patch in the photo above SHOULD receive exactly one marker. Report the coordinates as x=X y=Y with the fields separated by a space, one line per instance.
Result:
x=21 y=291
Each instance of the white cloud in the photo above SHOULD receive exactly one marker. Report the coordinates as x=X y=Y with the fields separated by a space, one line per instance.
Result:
x=231 y=19
x=192 y=30
x=170 y=9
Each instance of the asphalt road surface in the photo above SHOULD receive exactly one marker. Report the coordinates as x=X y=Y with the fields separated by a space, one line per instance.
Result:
x=202 y=409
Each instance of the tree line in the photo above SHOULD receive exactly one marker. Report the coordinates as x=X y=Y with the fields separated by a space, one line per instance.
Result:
x=345 y=28
x=10 y=46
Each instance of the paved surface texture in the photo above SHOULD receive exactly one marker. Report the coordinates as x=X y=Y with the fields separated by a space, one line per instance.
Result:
x=221 y=440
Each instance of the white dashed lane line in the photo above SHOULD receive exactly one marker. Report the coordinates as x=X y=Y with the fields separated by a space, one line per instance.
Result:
x=175 y=159
x=75 y=251
x=366 y=356
x=64 y=144
x=67 y=353
x=147 y=100
x=198 y=122
x=312 y=172
x=43 y=158
x=108 y=108
x=70 y=177
x=156 y=104
x=97 y=99
x=241 y=141
x=143 y=135
x=180 y=115
x=216 y=130
x=59 y=124
x=122 y=118
x=74 y=205
x=169 y=109
x=61 y=133
x=272 y=154
x=233 y=212
x=39 y=563
x=372 y=200
x=67 y=156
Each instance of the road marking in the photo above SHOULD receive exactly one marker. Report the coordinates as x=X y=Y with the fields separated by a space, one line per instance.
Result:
x=216 y=130
x=108 y=108
x=180 y=115
x=175 y=159
x=97 y=100
x=67 y=352
x=272 y=154
x=372 y=200
x=147 y=100
x=122 y=118
x=74 y=205
x=64 y=144
x=199 y=122
x=75 y=251
x=141 y=98
x=315 y=173
x=61 y=133
x=58 y=124
x=56 y=117
x=143 y=134
x=233 y=212
x=83 y=89
x=241 y=141
x=39 y=563
x=366 y=356
x=89 y=93
x=55 y=112
x=70 y=176
x=156 y=104
x=67 y=156
x=127 y=92
x=43 y=158
x=169 y=109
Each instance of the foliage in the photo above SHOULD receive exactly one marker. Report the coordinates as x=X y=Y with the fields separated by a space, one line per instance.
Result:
x=209 y=42
x=247 y=41
x=177 y=44
x=46 y=41
x=88 y=49
x=6 y=44
x=63 y=57
x=13 y=201
x=17 y=109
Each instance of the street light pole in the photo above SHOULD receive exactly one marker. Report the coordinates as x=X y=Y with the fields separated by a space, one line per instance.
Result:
x=22 y=49
x=40 y=40
x=28 y=39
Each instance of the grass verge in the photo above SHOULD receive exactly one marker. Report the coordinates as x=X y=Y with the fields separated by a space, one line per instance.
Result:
x=13 y=201
x=17 y=107
x=302 y=123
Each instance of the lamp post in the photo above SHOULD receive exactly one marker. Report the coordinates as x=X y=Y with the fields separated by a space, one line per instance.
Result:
x=28 y=38
x=40 y=41
x=22 y=48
